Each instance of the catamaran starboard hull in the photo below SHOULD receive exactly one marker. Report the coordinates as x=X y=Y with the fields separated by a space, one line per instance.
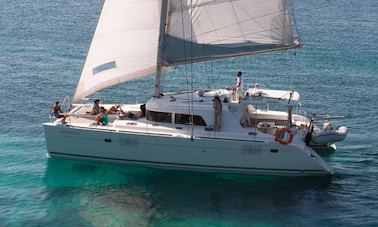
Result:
x=164 y=151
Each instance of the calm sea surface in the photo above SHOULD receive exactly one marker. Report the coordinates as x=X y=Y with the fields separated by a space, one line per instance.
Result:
x=42 y=48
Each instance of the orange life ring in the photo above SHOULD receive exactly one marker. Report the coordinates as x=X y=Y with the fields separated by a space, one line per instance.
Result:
x=280 y=136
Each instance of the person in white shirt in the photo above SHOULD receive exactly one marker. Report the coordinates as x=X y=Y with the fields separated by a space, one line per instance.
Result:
x=327 y=125
x=237 y=89
x=256 y=90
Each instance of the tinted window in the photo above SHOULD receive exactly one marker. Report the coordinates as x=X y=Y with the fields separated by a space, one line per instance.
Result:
x=186 y=119
x=159 y=116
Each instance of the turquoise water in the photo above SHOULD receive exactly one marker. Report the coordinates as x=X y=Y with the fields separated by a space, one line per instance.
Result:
x=42 y=48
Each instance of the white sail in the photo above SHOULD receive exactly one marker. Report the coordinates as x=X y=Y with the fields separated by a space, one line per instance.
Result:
x=200 y=30
x=124 y=46
x=179 y=130
x=125 y=43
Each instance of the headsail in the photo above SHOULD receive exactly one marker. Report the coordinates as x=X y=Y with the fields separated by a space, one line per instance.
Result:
x=200 y=30
x=124 y=45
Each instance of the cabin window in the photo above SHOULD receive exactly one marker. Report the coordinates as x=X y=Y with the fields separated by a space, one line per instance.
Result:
x=159 y=116
x=186 y=119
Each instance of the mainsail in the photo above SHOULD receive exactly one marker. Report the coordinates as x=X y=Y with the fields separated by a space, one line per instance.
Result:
x=200 y=30
x=125 y=43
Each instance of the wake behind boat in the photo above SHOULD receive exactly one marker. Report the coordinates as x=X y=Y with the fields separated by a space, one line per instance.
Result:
x=257 y=131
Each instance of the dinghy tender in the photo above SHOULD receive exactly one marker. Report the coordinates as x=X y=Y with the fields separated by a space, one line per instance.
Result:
x=329 y=136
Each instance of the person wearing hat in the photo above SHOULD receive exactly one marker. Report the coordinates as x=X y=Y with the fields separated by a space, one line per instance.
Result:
x=217 y=106
x=237 y=89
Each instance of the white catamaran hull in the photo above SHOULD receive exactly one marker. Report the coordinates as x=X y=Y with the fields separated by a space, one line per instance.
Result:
x=164 y=151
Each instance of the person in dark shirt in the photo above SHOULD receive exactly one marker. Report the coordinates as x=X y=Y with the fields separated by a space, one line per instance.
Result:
x=57 y=112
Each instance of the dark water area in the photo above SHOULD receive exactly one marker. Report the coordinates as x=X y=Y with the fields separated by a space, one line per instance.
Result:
x=43 y=45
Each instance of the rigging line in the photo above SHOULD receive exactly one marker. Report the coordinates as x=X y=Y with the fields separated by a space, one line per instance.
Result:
x=293 y=67
x=212 y=73
x=191 y=68
x=289 y=71
x=251 y=18
x=239 y=24
x=291 y=6
x=93 y=32
x=256 y=123
x=209 y=74
x=261 y=32
x=212 y=25
x=185 y=53
x=70 y=62
x=210 y=77
x=293 y=70
x=204 y=4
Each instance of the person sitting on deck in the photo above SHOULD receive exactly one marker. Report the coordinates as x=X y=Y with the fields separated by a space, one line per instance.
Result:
x=57 y=112
x=256 y=91
x=103 y=117
x=133 y=115
x=142 y=112
x=95 y=108
x=115 y=109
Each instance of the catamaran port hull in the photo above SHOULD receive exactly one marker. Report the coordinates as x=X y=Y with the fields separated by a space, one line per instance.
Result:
x=175 y=152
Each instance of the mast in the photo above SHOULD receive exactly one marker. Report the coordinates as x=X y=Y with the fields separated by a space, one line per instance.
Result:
x=159 y=61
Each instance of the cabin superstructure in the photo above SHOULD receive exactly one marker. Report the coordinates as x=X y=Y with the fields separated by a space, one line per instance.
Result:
x=191 y=114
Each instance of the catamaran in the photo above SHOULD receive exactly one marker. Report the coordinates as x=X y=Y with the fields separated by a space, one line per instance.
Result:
x=262 y=132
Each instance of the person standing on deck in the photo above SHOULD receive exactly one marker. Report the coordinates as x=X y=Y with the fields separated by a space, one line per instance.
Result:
x=96 y=107
x=217 y=106
x=237 y=89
